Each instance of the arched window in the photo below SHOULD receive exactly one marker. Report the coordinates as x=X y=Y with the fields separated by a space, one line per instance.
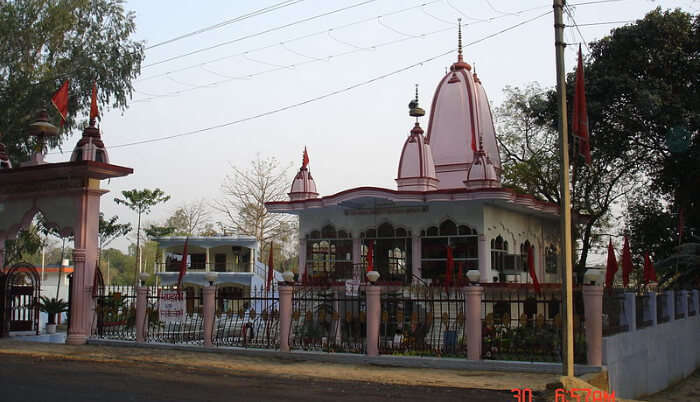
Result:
x=434 y=242
x=499 y=250
x=551 y=259
x=329 y=252
x=392 y=251
x=524 y=247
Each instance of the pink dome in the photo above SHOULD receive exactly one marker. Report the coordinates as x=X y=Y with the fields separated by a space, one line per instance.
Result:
x=482 y=173
x=416 y=168
x=90 y=147
x=460 y=117
x=303 y=186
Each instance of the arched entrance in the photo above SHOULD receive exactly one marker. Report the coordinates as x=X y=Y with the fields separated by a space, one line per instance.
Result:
x=21 y=286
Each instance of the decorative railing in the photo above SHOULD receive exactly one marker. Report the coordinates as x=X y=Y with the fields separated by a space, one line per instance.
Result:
x=327 y=319
x=202 y=267
x=248 y=321
x=115 y=314
x=643 y=311
x=614 y=320
x=423 y=321
x=188 y=330
x=678 y=305
x=519 y=324
x=662 y=313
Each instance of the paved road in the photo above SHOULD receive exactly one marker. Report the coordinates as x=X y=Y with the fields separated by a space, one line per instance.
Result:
x=26 y=379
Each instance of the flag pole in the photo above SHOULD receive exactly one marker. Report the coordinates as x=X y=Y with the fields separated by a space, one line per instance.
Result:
x=565 y=214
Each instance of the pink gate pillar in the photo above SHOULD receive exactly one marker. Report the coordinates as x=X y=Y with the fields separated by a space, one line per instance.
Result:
x=209 y=293
x=285 y=316
x=141 y=302
x=593 y=309
x=374 y=312
x=472 y=325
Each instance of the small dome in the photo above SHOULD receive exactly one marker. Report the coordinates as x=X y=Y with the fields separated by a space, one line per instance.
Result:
x=482 y=173
x=90 y=147
x=416 y=167
x=4 y=158
x=303 y=186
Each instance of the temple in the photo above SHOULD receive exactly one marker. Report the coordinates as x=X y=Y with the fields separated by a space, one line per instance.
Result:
x=448 y=193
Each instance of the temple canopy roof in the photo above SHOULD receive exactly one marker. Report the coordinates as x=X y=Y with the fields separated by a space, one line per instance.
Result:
x=416 y=167
x=303 y=185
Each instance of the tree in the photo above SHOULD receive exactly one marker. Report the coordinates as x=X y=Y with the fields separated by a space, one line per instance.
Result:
x=47 y=42
x=110 y=230
x=189 y=219
x=153 y=231
x=141 y=201
x=243 y=205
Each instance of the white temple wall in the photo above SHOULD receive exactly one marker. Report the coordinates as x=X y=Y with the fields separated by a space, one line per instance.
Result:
x=516 y=228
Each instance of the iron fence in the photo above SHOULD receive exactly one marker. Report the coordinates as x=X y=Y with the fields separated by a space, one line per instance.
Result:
x=328 y=319
x=662 y=313
x=518 y=324
x=422 y=321
x=185 y=330
x=643 y=311
x=678 y=305
x=691 y=304
x=614 y=320
x=250 y=319
x=115 y=313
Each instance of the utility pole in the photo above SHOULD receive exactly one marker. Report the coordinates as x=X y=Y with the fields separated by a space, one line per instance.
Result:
x=565 y=197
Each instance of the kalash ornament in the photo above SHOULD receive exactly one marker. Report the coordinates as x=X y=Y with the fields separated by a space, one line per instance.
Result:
x=41 y=128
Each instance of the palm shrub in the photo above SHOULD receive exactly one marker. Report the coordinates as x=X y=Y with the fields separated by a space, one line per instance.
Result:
x=52 y=307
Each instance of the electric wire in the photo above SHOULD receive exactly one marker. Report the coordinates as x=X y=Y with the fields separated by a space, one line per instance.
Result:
x=252 y=14
x=571 y=16
x=326 y=95
x=218 y=45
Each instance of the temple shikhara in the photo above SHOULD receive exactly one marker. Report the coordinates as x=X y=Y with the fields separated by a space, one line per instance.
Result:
x=448 y=193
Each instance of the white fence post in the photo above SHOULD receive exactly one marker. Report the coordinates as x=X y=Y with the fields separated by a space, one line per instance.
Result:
x=670 y=301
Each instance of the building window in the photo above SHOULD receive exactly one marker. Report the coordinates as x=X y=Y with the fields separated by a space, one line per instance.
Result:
x=551 y=259
x=499 y=250
x=220 y=262
x=524 y=247
x=434 y=242
x=198 y=261
x=329 y=253
x=392 y=251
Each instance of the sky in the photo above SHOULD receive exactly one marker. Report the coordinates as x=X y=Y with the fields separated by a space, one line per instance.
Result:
x=306 y=50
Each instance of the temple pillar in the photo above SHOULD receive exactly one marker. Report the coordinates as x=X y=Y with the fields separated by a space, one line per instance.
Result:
x=206 y=260
x=302 y=256
x=416 y=256
x=356 y=251
x=285 y=316
x=374 y=314
x=472 y=325
x=84 y=259
x=141 y=302
x=208 y=314
x=484 y=259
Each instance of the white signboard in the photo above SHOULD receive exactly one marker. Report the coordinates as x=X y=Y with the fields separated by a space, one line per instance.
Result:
x=171 y=306
x=352 y=287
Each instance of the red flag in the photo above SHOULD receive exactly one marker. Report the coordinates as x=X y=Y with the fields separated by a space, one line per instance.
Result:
x=269 y=268
x=649 y=271
x=93 y=103
x=370 y=256
x=183 y=266
x=60 y=101
x=627 y=267
x=580 y=120
x=531 y=268
x=450 y=268
x=611 y=267
x=305 y=159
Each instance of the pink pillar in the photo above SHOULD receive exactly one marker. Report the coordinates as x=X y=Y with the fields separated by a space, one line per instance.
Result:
x=302 y=256
x=472 y=324
x=374 y=312
x=209 y=310
x=285 y=316
x=593 y=309
x=141 y=301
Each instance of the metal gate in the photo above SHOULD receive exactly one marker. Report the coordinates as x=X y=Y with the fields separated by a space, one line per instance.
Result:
x=20 y=298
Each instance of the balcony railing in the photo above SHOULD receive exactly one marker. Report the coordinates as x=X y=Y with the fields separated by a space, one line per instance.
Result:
x=202 y=267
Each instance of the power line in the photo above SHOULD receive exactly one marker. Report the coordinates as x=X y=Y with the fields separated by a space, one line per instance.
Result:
x=204 y=49
x=571 y=15
x=324 y=96
x=325 y=31
x=252 y=14
x=603 y=23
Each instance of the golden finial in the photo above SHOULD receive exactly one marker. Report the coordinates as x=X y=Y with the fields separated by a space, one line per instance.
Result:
x=459 y=39
x=413 y=109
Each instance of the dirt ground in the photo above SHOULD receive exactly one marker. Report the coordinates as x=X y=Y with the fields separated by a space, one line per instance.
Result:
x=686 y=390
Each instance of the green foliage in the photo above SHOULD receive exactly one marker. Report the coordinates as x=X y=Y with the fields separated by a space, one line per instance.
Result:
x=141 y=201
x=153 y=231
x=47 y=42
x=110 y=230
x=27 y=243
x=52 y=306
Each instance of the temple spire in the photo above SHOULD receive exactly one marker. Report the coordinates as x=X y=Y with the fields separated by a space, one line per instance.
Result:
x=460 y=64
x=414 y=110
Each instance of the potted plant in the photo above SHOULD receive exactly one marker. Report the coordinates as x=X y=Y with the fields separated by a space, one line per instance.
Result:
x=52 y=307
